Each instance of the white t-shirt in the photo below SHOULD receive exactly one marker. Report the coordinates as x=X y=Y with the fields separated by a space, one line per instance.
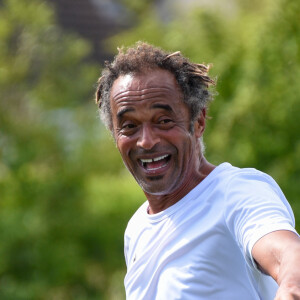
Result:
x=200 y=247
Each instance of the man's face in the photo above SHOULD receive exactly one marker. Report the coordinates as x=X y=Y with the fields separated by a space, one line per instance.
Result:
x=151 y=127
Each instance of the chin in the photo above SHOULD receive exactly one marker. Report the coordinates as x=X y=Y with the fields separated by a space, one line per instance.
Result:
x=154 y=188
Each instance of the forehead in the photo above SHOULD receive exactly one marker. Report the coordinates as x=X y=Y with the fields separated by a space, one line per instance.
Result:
x=154 y=82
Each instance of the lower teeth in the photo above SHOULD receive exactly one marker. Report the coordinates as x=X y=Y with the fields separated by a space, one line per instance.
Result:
x=152 y=169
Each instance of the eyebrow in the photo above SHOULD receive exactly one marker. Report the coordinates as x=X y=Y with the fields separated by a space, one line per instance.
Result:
x=154 y=106
x=124 y=111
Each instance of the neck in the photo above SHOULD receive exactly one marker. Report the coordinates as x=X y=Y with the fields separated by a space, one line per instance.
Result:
x=158 y=203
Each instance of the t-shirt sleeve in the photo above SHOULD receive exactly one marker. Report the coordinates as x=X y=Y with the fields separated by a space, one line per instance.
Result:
x=254 y=207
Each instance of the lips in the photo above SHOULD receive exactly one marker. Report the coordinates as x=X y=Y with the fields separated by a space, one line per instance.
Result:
x=154 y=164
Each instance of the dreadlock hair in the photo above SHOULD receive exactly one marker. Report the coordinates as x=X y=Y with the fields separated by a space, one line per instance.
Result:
x=192 y=78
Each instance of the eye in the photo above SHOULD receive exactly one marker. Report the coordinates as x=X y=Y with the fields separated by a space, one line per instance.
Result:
x=128 y=126
x=165 y=121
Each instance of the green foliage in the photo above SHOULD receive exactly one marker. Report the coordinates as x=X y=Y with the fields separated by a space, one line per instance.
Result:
x=255 y=52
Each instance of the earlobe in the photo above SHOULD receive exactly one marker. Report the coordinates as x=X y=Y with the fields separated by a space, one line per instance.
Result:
x=199 y=125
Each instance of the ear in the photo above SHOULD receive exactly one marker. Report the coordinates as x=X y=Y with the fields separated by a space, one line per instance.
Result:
x=199 y=124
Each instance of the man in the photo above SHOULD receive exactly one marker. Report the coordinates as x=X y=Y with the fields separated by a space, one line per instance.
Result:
x=205 y=231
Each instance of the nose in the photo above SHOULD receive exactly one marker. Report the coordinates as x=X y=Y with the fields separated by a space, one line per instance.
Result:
x=147 y=139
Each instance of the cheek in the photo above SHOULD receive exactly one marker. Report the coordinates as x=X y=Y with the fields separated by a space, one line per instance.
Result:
x=188 y=148
x=124 y=145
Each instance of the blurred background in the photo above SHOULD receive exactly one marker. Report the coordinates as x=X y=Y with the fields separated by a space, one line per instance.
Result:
x=65 y=197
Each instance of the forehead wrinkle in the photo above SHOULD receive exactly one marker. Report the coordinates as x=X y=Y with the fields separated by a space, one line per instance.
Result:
x=126 y=100
x=137 y=93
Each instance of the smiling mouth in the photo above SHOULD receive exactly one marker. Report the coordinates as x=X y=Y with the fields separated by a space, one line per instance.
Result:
x=153 y=164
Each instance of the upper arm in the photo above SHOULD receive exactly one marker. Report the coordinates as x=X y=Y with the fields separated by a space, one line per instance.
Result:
x=277 y=251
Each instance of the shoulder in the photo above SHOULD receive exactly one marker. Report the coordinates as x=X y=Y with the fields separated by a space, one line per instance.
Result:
x=248 y=180
x=250 y=192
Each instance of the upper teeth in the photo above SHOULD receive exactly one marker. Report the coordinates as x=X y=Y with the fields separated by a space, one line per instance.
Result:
x=148 y=160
